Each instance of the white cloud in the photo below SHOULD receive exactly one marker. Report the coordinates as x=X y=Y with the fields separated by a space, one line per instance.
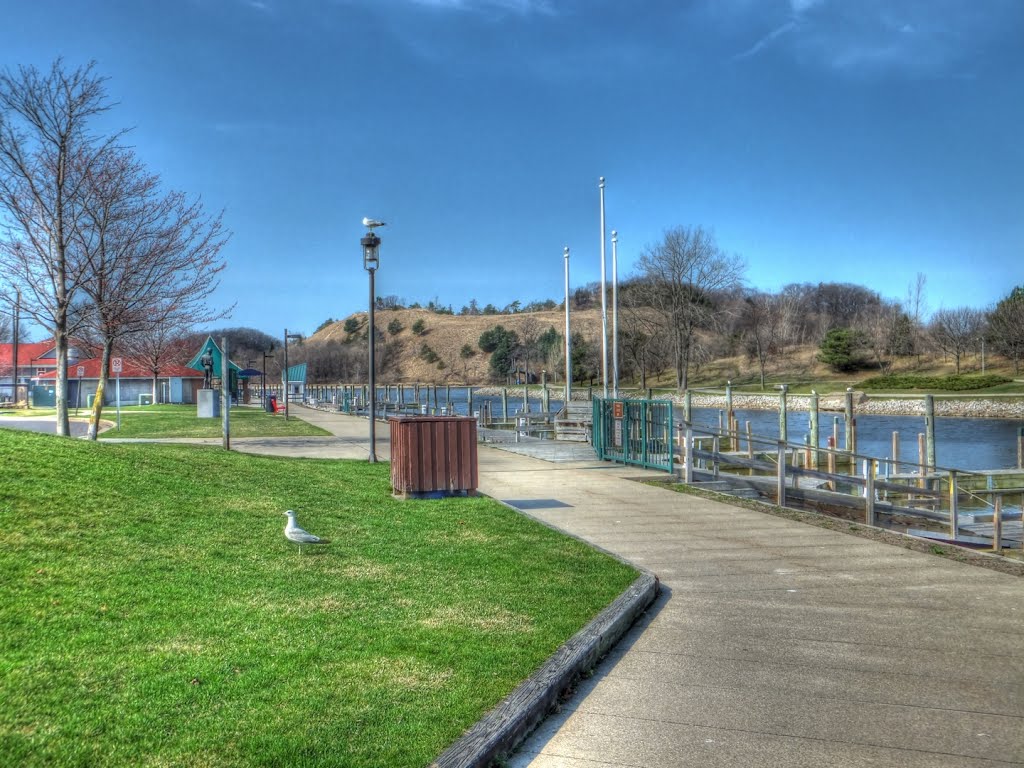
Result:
x=766 y=40
x=915 y=37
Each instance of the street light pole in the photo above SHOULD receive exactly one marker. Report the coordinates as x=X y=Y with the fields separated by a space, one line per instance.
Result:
x=371 y=244
x=284 y=376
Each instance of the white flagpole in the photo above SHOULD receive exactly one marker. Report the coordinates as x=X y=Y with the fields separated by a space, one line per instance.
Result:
x=615 y=314
x=604 y=301
x=568 y=339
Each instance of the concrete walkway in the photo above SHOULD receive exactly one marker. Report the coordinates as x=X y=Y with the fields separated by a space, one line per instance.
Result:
x=773 y=644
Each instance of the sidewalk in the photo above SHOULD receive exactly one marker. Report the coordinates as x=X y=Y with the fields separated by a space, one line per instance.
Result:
x=773 y=643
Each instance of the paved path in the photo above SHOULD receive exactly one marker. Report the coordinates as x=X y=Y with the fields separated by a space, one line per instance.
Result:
x=46 y=424
x=773 y=644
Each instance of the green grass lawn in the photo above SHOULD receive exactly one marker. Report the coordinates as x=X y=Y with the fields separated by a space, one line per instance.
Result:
x=181 y=421
x=152 y=612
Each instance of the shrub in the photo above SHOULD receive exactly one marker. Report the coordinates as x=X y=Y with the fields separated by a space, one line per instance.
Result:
x=351 y=325
x=951 y=383
x=395 y=327
x=419 y=327
x=841 y=349
x=428 y=354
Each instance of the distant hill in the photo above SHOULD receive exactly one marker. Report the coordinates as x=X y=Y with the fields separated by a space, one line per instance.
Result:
x=446 y=335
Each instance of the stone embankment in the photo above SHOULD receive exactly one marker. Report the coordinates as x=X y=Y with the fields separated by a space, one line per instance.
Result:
x=968 y=407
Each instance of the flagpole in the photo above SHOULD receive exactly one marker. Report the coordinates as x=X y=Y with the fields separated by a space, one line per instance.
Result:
x=615 y=314
x=568 y=340
x=604 y=301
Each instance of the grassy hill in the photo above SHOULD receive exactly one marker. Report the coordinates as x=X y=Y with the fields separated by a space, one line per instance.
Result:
x=446 y=335
x=434 y=355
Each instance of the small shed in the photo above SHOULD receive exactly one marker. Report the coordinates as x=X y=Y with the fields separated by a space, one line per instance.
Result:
x=297 y=382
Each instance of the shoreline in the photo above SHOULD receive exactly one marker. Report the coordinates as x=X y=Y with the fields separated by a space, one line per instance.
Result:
x=958 y=406
x=867 y=405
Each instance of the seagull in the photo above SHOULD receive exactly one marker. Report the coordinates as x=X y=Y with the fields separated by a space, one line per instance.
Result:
x=292 y=532
x=371 y=223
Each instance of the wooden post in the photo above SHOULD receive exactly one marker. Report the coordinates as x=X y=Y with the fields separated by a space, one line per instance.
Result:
x=715 y=446
x=832 y=462
x=869 y=491
x=469 y=401
x=730 y=415
x=922 y=467
x=750 y=441
x=815 y=437
x=953 y=503
x=688 y=456
x=687 y=407
x=895 y=452
x=997 y=523
x=807 y=452
x=780 y=480
x=504 y=405
x=929 y=430
x=526 y=398
x=545 y=399
x=851 y=440
x=783 y=421
x=1020 y=447
x=835 y=435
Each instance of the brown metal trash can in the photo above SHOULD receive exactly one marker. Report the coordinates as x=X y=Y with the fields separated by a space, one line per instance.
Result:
x=433 y=456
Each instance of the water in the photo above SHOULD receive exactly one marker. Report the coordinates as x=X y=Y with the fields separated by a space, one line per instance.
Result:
x=972 y=444
x=959 y=443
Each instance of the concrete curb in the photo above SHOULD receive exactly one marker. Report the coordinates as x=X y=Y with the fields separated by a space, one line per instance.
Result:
x=506 y=726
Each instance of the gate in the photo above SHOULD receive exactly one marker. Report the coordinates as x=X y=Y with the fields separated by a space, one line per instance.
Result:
x=634 y=432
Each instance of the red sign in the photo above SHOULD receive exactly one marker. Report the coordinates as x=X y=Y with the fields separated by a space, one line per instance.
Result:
x=617 y=410
x=81 y=371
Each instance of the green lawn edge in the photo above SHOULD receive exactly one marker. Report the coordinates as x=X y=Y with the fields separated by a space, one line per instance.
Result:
x=154 y=614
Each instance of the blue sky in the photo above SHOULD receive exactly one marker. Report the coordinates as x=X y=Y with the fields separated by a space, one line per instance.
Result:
x=822 y=140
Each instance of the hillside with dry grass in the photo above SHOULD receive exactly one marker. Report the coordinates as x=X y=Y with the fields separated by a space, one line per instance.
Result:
x=447 y=335
x=435 y=354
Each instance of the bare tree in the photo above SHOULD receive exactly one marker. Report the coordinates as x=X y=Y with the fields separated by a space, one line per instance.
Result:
x=149 y=257
x=158 y=346
x=887 y=331
x=917 y=308
x=955 y=331
x=46 y=152
x=761 y=328
x=1006 y=327
x=682 y=273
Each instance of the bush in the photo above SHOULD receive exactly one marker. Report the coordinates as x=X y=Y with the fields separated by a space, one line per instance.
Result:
x=419 y=327
x=351 y=325
x=428 y=354
x=841 y=349
x=395 y=327
x=951 y=383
